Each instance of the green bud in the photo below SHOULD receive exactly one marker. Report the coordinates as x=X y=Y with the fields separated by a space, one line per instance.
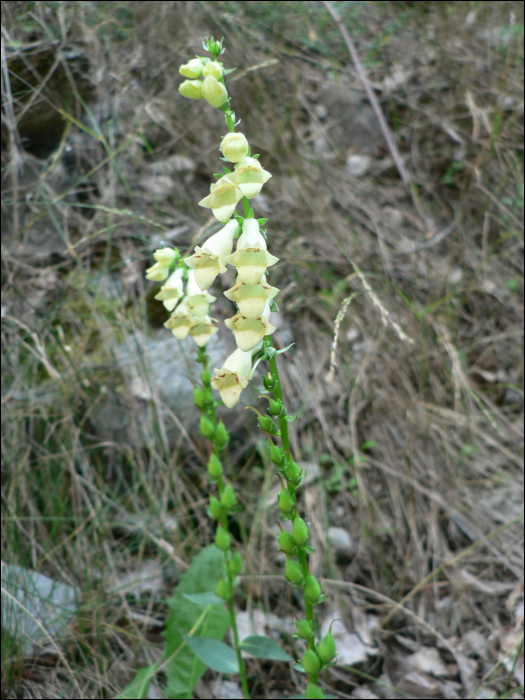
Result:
x=191 y=89
x=292 y=571
x=215 y=467
x=222 y=589
x=228 y=498
x=234 y=147
x=286 y=542
x=268 y=381
x=304 y=628
x=276 y=455
x=213 y=68
x=300 y=531
x=214 y=92
x=268 y=425
x=206 y=427
x=198 y=397
x=235 y=564
x=276 y=407
x=312 y=589
x=286 y=502
x=313 y=691
x=221 y=436
x=206 y=377
x=216 y=508
x=326 y=648
x=311 y=662
x=222 y=538
x=292 y=471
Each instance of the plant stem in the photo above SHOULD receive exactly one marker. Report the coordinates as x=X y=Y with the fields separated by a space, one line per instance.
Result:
x=233 y=622
x=277 y=392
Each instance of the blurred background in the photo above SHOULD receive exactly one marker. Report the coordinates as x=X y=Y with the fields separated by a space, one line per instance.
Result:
x=410 y=410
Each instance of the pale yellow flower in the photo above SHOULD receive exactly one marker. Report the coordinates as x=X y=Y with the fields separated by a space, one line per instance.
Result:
x=214 y=92
x=247 y=331
x=191 y=89
x=251 y=257
x=197 y=301
x=233 y=377
x=234 y=147
x=250 y=176
x=172 y=290
x=208 y=261
x=192 y=69
x=223 y=198
x=251 y=298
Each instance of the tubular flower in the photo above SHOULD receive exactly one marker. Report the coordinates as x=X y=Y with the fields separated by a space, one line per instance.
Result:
x=248 y=332
x=214 y=92
x=197 y=301
x=234 y=147
x=208 y=261
x=161 y=269
x=251 y=298
x=250 y=176
x=180 y=322
x=191 y=89
x=223 y=198
x=202 y=329
x=193 y=69
x=233 y=377
x=172 y=290
x=251 y=257
x=213 y=68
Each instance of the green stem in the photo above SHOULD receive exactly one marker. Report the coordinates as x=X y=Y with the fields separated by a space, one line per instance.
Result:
x=233 y=622
x=277 y=392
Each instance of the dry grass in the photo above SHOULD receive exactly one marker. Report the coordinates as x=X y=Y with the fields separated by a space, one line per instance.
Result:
x=414 y=439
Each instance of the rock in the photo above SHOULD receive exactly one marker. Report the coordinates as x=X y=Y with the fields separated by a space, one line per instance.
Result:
x=340 y=540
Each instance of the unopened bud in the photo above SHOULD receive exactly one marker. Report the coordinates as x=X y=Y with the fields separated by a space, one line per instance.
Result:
x=222 y=538
x=311 y=662
x=286 y=542
x=292 y=471
x=191 y=89
x=234 y=147
x=192 y=69
x=276 y=407
x=326 y=647
x=300 y=532
x=304 y=629
x=292 y=571
x=215 y=467
x=228 y=498
x=214 y=92
x=206 y=427
x=221 y=436
x=206 y=377
x=216 y=508
x=235 y=564
x=222 y=589
x=213 y=68
x=286 y=501
x=312 y=589
x=313 y=691
x=198 y=397
x=267 y=424
x=276 y=455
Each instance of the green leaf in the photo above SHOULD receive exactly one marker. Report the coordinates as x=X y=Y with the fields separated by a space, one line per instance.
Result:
x=264 y=648
x=280 y=352
x=138 y=688
x=262 y=221
x=185 y=669
x=215 y=654
x=204 y=599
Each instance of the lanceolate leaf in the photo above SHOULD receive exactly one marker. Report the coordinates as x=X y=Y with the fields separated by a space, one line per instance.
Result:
x=217 y=655
x=264 y=648
x=185 y=669
x=138 y=688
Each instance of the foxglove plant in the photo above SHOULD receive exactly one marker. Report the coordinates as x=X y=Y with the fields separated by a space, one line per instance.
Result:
x=252 y=330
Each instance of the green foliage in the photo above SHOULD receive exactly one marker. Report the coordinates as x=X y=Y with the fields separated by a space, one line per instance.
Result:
x=215 y=654
x=264 y=648
x=184 y=667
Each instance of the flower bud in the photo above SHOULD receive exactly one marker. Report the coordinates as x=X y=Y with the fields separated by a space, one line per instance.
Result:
x=313 y=691
x=191 y=89
x=286 y=542
x=206 y=377
x=206 y=427
x=221 y=436
x=312 y=589
x=292 y=471
x=292 y=572
x=199 y=398
x=304 y=629
x=213 y=92
x=213 y=68
x=192 y=69
x=235 y=564
x=234 y=147
x=222 y=589
x=222 y=538
x=286 y=501
x=267 y=424
x=275 y=407
x=311 y=662
x=228 y=498
x=216 y=508
x=268 y=381
x=326 y=648
x=276 y=455
x=300 y=532
x=215 y=467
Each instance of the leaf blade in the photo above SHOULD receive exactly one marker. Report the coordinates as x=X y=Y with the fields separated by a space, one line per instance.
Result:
x=215 y=654
x=264 y=648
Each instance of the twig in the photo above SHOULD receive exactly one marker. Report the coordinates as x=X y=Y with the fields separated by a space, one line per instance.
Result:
x=370 y=93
